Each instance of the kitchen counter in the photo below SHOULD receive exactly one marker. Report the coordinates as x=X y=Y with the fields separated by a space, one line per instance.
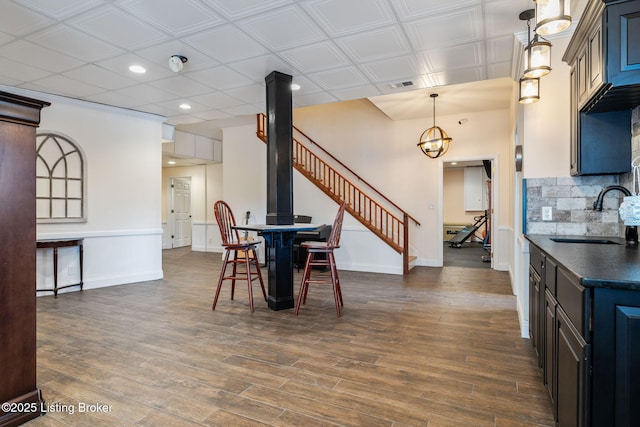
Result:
x=614 y=266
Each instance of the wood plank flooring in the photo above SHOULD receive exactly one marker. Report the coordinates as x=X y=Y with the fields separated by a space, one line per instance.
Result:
x=439 y=347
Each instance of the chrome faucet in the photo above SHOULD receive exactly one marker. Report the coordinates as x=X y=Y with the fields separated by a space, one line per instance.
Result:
x=630 y=232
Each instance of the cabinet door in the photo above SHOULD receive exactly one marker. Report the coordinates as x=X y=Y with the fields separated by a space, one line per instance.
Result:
x=572 y=399
x=534 y=312
x=623 y=49
x=574 y=122
x=627 y=388
x=549 y=365
x=596 y=64
x=583 y=77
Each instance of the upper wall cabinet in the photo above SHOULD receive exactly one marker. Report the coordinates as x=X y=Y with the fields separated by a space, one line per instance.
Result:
x=604 y=57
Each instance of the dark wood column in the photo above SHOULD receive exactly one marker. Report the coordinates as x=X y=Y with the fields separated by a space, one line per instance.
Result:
x=279 y=189
x=279 y=149
x=19 y=117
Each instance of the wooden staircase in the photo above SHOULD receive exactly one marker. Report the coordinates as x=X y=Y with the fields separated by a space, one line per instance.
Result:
x=380 y=215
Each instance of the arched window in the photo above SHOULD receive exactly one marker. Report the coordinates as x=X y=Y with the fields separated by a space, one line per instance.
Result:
x=60 y=179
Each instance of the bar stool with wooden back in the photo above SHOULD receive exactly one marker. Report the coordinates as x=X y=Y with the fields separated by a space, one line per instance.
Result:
x=245 y=248
x=327 y=248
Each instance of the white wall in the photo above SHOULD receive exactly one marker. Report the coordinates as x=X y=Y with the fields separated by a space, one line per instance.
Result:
x=122 y=234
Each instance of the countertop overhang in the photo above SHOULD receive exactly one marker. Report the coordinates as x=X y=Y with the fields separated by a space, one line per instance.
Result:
x=614 y=266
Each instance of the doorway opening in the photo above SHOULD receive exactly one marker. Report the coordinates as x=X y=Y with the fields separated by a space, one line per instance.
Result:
x=467 y=213
x=180 y=211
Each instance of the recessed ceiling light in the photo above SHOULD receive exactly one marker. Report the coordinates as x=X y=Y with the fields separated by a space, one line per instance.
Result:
x=295 y=86
x=185 y=106
x=171 y=162
x=454 y=163
x=138 y=69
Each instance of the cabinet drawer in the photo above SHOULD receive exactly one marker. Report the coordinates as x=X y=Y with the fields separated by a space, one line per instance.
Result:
x=536 y=260
x=574 y=300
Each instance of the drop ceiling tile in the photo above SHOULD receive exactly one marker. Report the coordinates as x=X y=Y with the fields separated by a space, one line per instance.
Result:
x=60 y=9
x=376 y=44
x=339 y=17
x=161 y=53
x=284 y=28
x=257 y=69
x=34 y=55
x=18 y=21
x=184 y=120
x=393 y=69
x=445 y=30
x=226 y=44
x=306 y=85
x=120 y=65
x=499 y=69
x=212 y=115
x=217 y=100
x=65 y=86
x=97 y=76
x=121 y=29
x=246 y=109
x=146 y=94
x=20 y=72
x=5 y=38
x=9 y=83
x=249 y=94
x=173 y=106
x=221 y=77
x=234 y=9
x=412 y=9
x=181 y=85
x=315 y=57
x=77 y=44
x=452 y=58
x=356 y=92
x=340 y=78
x=454 y=77
x=419 y=82
x=500 y=49
x=177 y=17
x=313 y=99
x=113 y=98
x=501 y=17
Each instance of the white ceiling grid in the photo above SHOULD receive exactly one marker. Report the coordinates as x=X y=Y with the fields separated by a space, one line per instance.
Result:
x=335 y=49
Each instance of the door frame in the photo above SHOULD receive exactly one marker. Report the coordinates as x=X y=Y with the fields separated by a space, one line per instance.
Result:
x=495 y=191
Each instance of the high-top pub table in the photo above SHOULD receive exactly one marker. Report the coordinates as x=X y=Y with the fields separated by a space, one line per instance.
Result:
x=279 y=257
x=55 y=244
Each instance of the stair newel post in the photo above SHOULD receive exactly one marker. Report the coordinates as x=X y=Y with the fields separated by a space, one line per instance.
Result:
x=405 y=244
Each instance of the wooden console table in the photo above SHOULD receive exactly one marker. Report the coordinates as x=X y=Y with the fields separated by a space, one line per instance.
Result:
x=55 y=244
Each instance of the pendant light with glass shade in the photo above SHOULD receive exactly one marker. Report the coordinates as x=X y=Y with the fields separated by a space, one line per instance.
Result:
x=434 y=142
x=552 y=16
x=537 y=53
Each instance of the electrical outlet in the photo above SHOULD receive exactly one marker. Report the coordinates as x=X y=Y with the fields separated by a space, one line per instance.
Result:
x=546 y=213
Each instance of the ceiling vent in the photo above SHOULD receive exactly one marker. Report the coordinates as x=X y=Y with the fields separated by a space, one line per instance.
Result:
x=408 y=83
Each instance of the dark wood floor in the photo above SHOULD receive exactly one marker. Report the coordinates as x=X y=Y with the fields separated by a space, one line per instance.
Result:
x=439 y=347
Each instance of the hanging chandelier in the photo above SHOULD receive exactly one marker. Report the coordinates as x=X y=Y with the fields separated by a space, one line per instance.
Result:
x=434 y=142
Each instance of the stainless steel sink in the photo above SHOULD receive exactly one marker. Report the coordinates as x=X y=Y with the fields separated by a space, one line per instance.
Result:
x=594 y=240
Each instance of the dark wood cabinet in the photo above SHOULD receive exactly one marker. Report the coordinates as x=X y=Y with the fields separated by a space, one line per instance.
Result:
x=616 y=357
x=572 y=374
x=588 y=342
x=604 y=57
x=19 y=117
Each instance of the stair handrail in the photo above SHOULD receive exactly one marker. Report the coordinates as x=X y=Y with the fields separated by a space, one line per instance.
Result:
x=262 y=118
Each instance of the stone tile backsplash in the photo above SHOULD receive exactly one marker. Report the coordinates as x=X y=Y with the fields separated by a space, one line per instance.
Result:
x=571 y=200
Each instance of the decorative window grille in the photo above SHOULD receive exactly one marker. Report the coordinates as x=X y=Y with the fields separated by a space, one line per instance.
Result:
x=60 y=179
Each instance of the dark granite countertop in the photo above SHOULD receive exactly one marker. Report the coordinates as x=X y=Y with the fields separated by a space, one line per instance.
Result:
x=615 y=266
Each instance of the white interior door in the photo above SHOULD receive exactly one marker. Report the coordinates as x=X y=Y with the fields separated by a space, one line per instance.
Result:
x=181 y=212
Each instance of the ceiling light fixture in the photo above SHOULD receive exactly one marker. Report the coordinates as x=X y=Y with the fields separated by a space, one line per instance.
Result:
x=295 y=86
x=434 y=142
x=537 y=54
x=185 y=106
x=529 y=90
x=138 y=69
x=552 y=16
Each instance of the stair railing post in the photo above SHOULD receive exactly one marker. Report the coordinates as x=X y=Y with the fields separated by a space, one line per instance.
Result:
x=405 y=245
